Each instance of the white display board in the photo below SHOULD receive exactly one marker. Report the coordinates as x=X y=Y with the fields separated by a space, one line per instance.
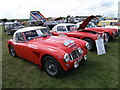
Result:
x=100 y=46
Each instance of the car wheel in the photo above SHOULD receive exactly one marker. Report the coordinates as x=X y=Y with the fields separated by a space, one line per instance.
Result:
x=109 y=37
x=12 y=51
x=52 y=67
x=91 y=43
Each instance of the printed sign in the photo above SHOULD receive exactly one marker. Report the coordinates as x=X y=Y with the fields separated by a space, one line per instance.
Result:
x=100 y=46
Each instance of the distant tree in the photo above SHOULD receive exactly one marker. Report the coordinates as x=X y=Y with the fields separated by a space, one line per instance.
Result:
x=12 y=20
x=68 y=16
x=59 y=18
x=98 y=16
x=49 y=17
x=77 y=16
x=4 y=20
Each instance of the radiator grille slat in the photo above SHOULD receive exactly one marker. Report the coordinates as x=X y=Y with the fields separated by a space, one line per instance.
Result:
x=75 y=54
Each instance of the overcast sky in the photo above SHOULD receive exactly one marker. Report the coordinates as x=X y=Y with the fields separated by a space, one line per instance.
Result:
x=20 y=9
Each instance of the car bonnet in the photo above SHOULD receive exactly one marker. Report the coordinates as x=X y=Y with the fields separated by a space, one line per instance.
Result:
x=85 y=22
x=64 y=43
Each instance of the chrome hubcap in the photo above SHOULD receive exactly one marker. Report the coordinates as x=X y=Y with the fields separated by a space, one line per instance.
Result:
x=51 y=68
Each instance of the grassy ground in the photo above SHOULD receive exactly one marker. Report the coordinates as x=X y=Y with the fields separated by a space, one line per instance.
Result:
x=97 y=72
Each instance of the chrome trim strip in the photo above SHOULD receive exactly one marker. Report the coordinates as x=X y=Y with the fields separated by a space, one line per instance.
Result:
x=72 y=45
x=71 y=56
x=76 y=53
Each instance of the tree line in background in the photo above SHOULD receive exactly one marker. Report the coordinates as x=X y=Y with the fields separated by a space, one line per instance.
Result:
x=12 y=20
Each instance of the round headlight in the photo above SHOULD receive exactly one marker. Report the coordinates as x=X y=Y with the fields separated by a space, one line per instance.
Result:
x=87 y=45
x=66 y=57
x=80 y=50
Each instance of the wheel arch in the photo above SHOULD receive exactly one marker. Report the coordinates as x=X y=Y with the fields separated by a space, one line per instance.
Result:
x=91 y=42
x=59 y=61
x=88 y=38
x=9 y=46
x=42 y=58
x=109 y=35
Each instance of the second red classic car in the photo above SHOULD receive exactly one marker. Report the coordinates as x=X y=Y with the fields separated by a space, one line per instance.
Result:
x=110 y=32
x=70 y=30
x=55 y=54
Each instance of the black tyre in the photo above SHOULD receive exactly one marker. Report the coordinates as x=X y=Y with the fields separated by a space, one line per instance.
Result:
x=12 y=51
x=52 y=67
x=91 y=43
x=109 y=37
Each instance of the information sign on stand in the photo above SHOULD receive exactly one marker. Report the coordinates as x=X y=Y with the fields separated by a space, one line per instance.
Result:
x=100 y=47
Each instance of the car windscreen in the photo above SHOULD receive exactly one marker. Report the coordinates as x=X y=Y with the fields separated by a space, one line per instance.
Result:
x=113 y=23
x=71 y=28
x=91 y=25
x=36 y=33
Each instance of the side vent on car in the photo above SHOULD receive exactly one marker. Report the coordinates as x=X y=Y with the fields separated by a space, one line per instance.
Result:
x=36 y=53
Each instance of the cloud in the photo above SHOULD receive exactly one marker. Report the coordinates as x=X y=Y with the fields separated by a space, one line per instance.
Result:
x=56 y=8
x=107 y=4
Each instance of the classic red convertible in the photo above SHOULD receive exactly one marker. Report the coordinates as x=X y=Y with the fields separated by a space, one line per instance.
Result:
x=111 y=33
x=71 y=30
x=55 y=54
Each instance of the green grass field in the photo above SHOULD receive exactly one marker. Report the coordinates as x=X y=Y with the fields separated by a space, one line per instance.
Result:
x=97 y=72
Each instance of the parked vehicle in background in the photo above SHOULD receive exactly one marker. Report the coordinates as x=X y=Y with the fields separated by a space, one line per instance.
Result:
x=35 y=23
x=109 y=24
x=55 y=54
x=71 y=30
x=110 y=32
x=11 y=27
x=60 y=21
x=50 y=24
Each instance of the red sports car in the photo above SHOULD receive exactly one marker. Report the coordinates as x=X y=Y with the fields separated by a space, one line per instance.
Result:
x=55 y=54
x=71 y=30
x=111 y=33
x=90 y=26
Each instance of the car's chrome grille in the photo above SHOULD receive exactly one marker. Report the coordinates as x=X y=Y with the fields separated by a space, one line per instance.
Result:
x=75 y=54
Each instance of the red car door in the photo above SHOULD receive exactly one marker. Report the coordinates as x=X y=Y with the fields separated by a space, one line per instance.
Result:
x=19 y=47
x=23 y=49
x=31 y=53
x=26 y=51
